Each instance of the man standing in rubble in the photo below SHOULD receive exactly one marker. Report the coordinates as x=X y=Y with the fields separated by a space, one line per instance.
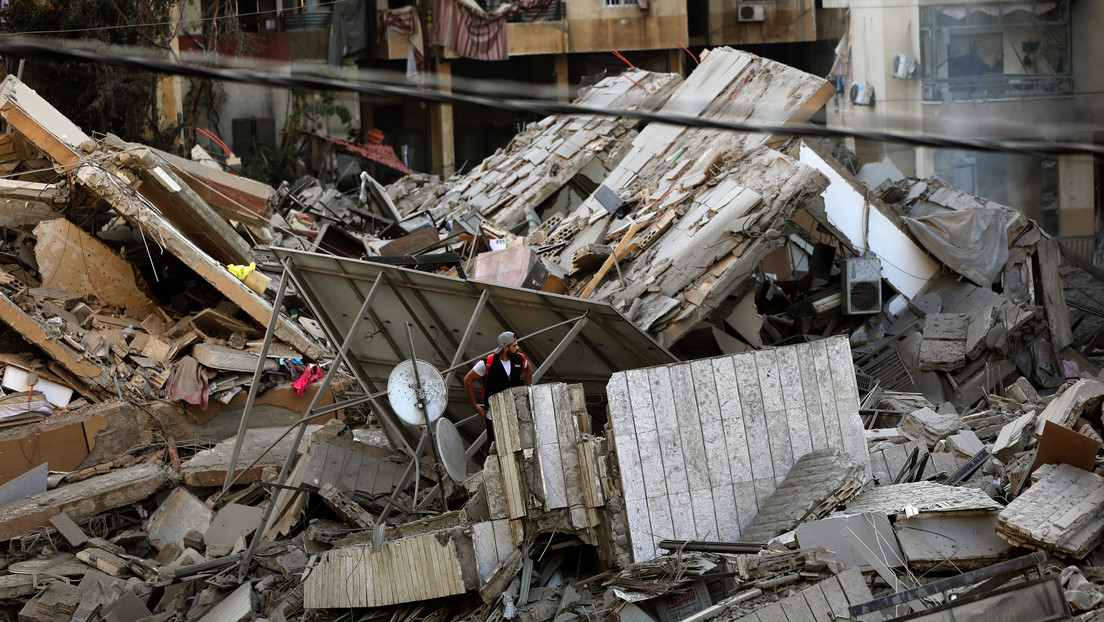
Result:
x=505 y=368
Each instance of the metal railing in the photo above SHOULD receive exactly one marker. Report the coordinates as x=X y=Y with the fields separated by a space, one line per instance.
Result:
x=999 y=86
x=1084 y=246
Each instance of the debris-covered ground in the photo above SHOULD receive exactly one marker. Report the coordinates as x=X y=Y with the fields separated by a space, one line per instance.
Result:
x=772 y=382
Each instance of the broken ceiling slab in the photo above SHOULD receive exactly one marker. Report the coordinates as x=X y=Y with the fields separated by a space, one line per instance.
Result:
x=1075 y=400
x=742 y=421
x=923 y=497
x=818 y=482
x=181 y=206
x=945 y=540
x=70 y=259
x=66 y=144
x=455 y=322
x=351 y=466
x=235 y=197
x=1061 y=512
x=728 y=85
x=82 y=499
x=26 y=203
x=269 y=447
x=854 y=538
x=726 y=232
x=175 y=518
x=552 y=152
x=869 y=225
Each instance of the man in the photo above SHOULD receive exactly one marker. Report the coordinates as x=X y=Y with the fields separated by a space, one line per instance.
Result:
x=507 y=367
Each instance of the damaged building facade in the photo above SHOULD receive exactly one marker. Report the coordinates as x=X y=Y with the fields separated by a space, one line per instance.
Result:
x=770 y=382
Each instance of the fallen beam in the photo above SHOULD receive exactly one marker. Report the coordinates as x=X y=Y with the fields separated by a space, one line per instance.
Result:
x=82 y=499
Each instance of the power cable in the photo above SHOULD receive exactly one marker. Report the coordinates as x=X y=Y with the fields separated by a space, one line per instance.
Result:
x=1035 y=146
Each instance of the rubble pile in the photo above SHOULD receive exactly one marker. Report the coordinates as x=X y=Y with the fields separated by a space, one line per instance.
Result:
x=770 y=383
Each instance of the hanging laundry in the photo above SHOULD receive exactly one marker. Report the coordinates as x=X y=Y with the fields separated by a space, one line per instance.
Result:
x=407 y=21
x=188 y=382
x=312 y=373
x=470 y=31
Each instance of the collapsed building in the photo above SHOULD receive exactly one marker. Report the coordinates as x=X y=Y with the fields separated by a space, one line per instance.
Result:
x=771 y=383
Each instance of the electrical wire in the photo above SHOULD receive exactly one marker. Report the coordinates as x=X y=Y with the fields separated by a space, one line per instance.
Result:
x=1028 y=145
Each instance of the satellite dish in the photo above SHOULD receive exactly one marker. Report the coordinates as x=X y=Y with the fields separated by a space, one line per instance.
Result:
x=402 y=392
x=450 y=447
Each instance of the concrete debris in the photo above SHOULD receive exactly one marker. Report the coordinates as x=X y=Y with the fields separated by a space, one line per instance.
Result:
x=786 y=395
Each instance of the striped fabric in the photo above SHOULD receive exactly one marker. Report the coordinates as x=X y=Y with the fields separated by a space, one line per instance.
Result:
x=469 y=31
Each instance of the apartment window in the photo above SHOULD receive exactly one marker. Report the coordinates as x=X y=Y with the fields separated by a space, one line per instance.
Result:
x=617 y=3
x=989 y=50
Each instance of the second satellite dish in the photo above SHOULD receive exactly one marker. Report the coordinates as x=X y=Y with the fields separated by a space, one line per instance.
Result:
x=402 y=392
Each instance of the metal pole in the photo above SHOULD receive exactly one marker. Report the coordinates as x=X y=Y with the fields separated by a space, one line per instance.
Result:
x=429 y=424
x=302 y=428
x=560 y=347
x=467 y=335
x=248 y=411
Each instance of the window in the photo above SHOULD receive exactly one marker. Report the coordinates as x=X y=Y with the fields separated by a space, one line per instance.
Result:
x=617 y=3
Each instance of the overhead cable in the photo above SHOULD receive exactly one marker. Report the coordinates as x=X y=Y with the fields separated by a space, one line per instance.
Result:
x=29 y=48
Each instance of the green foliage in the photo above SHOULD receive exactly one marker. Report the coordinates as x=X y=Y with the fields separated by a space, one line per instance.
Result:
x=98 y=97
x=285 y=162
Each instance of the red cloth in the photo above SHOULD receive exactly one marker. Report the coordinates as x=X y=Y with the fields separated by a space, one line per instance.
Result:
x=381 y=154
x=404 y=20
x=470 y=31
x=310 y=374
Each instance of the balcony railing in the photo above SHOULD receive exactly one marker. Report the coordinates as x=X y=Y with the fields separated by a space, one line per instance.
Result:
x=551 y=11
x=999 y=86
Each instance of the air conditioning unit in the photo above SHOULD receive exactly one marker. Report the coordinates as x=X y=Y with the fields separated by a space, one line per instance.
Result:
x=862 y=95
x=862 y=286
x=751 y=12
x=905 y=67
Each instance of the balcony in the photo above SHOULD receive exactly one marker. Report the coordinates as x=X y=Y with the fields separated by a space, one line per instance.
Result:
x=1000 y=86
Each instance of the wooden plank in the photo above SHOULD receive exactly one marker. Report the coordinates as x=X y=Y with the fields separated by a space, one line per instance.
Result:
x=570 y=402
x=754 y=415
x=647 y=435
x=735 y=435
x=624 y=437
x=670 y=442
x=778 y=431
x=689 y=426
x=512 y=485
x=507 y=437
x=813 y=410
x=494 y=489
x=833 y=436
x=793 y=394
x=552 y=470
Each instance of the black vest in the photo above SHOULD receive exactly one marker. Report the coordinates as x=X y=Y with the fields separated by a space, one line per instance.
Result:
x=496 y=380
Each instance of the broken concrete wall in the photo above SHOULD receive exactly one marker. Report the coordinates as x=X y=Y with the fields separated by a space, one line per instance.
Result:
x=702 y=445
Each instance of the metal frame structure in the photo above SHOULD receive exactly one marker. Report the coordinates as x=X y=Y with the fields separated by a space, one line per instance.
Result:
x=574 y=340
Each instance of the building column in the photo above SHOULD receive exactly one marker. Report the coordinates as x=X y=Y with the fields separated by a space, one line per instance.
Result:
x=1075 y=195
x=563 y=87
x=675 y=58
x=441 y=134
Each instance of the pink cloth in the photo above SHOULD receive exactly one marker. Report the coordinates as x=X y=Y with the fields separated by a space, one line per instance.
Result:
x=310 y=374
x=470 y=31
x=188 y=382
